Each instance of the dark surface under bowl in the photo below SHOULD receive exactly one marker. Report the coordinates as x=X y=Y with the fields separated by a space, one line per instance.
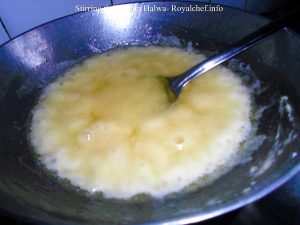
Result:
x=29 y=62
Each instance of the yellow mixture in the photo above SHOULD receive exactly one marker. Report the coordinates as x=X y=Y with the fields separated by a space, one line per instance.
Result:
x=107 y=125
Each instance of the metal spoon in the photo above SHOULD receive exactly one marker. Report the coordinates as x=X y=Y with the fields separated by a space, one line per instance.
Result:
x=174 y=85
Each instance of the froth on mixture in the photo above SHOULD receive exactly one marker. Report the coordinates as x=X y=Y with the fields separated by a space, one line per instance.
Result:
x=107 y=125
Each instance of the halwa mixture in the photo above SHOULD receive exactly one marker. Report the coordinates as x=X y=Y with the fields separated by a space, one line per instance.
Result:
x=107 y=124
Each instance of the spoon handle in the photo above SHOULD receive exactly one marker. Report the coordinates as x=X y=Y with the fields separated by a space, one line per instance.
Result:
x=178 y=82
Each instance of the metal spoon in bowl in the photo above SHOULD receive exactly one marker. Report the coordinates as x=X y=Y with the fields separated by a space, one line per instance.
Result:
x=174 y=85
